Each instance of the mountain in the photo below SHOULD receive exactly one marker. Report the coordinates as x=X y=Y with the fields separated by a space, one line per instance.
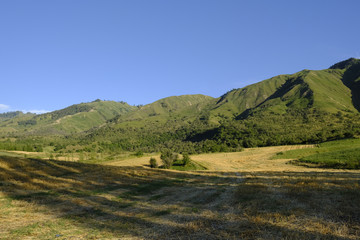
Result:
x=186 y=104
x=309 y=106
x=73 y=119
x=306 y=107
x=152 y=124
x=9 y=115
x=330 y=90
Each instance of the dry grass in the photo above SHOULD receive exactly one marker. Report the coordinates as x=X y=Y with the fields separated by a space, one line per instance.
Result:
x=42 y=199
x=134 y=161
x=251 y=159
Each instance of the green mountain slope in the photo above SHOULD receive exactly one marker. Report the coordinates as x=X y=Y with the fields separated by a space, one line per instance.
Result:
x=305 y=107
x=9 y=115
x=330 y=90
x=351 y=78
x=73 y=119
x=168 y=106
x=310 y=106
x=239 y=100
x=152 y=124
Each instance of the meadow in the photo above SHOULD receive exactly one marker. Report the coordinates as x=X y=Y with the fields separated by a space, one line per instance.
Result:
x=343 y=154
x=250 y=195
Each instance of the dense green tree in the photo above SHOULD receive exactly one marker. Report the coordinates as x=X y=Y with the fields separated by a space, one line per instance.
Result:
x=168 y=158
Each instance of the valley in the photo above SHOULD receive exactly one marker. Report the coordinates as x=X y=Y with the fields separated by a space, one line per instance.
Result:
x=278 y=159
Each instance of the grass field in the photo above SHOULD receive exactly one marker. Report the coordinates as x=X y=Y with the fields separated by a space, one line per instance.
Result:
x=336 y=154
x=237 y=199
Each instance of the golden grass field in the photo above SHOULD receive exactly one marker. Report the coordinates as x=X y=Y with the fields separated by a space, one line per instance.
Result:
x=243 y=195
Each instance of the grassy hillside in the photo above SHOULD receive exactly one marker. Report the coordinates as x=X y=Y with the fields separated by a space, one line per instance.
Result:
x=151 y=126
x=334 y=154
x=9 y=115
x=351 y=79
x=330 y=90
x=168 y=106
x=239 y=100
x=73 y=119
x=323 y=90
x=305 y=107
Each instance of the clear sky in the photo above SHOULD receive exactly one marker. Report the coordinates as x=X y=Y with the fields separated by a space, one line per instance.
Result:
x=60 y=52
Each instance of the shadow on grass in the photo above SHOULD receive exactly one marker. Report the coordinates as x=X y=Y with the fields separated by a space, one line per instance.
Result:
x=159 y=204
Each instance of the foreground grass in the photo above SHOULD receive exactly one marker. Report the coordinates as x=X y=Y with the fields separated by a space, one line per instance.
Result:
x=42 y=199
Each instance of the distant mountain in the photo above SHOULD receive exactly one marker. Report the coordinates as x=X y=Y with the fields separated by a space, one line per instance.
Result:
x=186 y=104
x=10 y=115
x=309 y=106
x=73 y=119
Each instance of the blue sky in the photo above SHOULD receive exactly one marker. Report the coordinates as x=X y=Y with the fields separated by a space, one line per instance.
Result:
x=57 y=53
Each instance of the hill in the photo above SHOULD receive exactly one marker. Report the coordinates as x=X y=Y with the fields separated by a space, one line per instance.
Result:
x=330 y=90
x=73 y=119
x=306 y=107
x=310 y=106
x=9 y=115
x=185 y=104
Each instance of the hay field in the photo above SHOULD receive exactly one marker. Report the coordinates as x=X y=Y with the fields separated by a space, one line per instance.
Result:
x=48 y=199
x=251 y=159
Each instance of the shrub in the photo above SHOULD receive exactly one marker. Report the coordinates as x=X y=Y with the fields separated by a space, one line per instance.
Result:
x=153 y=163
x=186 y=159
x=168 y=158
x=139 y=154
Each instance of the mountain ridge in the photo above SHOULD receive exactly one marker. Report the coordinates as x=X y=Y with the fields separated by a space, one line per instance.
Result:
x=305 y=107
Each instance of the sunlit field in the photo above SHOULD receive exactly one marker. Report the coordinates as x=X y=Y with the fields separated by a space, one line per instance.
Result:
x=245 y=195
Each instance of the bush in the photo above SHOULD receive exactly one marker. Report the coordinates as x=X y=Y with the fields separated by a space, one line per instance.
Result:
x=168 y=158
x=153 y=163
x=186 y=159
x=139 y=154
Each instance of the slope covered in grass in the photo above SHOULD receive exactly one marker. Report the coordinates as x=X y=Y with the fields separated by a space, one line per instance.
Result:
x=349 y=159
x=305 y=107
x=73 y=119
x=334 y=154
x=168 y=106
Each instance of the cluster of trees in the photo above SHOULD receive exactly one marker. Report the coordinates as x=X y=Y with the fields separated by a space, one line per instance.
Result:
x=27 y=122
x=168 y=158
x=202 y=136
x=262 y=129
x=295 y=127
x=73 y=109
x=16 y=146
x=8 y=115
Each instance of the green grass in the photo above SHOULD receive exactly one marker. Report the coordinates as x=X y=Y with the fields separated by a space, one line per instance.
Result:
x=191 y=166
x=320 y=148
x=10 y=154
x=70 y=119
x=334 y=154
x=348 y=159
x=329 y=91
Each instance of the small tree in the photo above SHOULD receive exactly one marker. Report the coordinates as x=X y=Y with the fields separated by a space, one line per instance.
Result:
x=168 y=158
x=186 y=159
x=139 y=153
x=153 y=163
